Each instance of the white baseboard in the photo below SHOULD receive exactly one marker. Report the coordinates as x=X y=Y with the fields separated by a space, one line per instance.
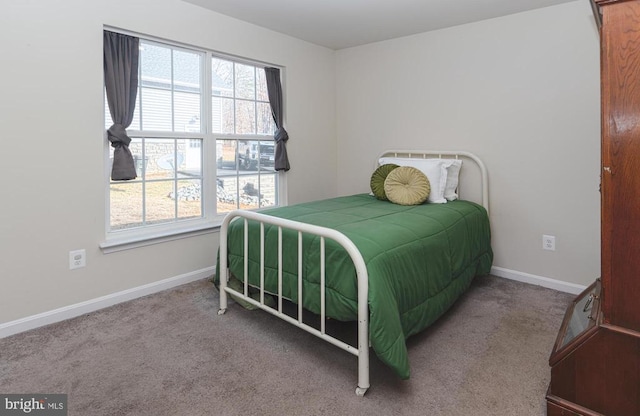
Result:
x=538 y=280
x=72 y=311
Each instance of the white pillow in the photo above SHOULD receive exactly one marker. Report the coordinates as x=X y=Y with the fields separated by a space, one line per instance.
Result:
x=435 y=169
x=453 y=172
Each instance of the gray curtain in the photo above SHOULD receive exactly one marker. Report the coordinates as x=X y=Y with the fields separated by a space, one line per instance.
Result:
x=274 y=88
x=121 y=82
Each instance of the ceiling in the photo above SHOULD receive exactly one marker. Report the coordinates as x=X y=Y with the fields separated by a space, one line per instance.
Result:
x=339 y=24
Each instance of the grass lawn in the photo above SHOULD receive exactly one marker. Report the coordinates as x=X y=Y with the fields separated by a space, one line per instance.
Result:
x=127 y=203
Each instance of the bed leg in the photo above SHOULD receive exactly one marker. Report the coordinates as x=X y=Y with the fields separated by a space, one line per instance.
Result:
x=223 y=293
x=360 y=391
x=223 y=301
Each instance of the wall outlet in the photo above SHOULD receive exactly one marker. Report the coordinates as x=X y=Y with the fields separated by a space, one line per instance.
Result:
x=549 y=242
x=77 y=259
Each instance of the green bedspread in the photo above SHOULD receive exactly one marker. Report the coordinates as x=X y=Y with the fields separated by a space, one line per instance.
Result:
x=420 y=259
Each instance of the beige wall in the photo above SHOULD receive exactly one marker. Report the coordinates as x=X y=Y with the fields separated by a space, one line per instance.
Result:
x=522 y=92
x=53 y=193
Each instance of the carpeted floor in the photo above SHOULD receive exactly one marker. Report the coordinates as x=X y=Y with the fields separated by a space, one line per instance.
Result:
x=171 y=354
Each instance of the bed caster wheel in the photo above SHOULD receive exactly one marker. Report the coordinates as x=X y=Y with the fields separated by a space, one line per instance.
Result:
x=360 y=391
x=221 y=311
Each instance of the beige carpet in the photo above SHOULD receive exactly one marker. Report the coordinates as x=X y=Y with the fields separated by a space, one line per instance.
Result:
x=171 y=354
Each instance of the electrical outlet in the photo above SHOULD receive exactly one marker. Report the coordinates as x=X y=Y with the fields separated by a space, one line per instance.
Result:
x=549 y=242
x=77 y=259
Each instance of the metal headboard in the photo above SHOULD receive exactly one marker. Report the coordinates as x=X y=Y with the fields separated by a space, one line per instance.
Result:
x=447 y=154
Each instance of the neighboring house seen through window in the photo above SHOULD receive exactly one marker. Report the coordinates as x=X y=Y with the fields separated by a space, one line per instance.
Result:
x=202 y=140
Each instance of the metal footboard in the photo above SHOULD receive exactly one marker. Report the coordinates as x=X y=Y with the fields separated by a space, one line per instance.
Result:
x=362 y=352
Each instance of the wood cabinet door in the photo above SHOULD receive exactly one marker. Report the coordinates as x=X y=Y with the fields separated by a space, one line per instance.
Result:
x=620 y=59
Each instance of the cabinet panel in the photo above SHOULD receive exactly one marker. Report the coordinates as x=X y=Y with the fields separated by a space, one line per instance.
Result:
x=601 y=374
x=620 y=58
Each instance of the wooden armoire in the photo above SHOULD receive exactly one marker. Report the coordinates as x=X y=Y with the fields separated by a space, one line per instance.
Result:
x=595 y=362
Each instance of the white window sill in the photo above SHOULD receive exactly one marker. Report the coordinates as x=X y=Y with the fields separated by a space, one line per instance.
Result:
x=130 y=241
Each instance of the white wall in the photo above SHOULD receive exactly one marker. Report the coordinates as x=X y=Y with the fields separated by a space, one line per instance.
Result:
x=53 y=192
x=522 y=92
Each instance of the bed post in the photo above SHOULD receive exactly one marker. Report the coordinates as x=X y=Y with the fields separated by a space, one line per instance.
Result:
x=362 y=276
x=223 y=278
x=363 y=330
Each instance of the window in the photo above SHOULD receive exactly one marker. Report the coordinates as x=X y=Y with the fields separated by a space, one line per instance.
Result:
x=200 y=119
x=240 y=112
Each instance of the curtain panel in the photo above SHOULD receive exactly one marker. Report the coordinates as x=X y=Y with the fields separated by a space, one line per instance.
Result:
x=121 y=53
x=274 y=89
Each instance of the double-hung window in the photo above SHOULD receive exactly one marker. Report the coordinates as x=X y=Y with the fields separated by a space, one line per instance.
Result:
x=202 y=143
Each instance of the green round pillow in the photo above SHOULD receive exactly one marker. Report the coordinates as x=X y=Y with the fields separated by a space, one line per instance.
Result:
x=377 y=180
x=407 y=186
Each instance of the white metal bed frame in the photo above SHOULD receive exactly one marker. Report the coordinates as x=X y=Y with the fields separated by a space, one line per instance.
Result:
x=362 y=352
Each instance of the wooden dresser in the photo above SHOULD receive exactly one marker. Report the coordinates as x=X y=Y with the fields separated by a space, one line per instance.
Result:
x=595 y=362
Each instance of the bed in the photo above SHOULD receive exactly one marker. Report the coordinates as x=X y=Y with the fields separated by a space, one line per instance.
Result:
x=393 y=268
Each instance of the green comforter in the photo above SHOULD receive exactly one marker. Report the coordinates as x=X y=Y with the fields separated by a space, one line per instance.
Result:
x=420 y=259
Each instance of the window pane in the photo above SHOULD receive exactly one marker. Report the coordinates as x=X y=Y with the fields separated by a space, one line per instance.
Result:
x=248 y=154
x=245 y=117
x=267 y=155
x=268 y=189
x=186 y=74
x=249 y=192
x=226 y=155
x=261 y=85
x=222 y=115
x=245 y=82
x=193 y=157
x=155 y=65
x=266 y=125
x=221 y=77
x=160 y=158
x=189 y=199
x=159 y=204
x=227 y=194
x=156 y=109
x=125 y=205
x=186 y=112
x=181 y=163
x=236 y=189
x=186 y=71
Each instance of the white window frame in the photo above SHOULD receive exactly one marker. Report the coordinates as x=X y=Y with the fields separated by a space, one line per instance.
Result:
x=124 y=239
